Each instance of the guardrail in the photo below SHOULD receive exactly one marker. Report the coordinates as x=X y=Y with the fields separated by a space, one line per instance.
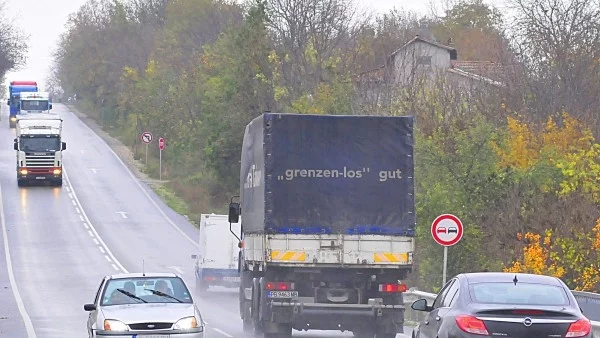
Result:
x=588 y=302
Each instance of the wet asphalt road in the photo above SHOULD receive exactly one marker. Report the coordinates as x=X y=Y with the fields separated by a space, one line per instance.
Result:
x=63 y=240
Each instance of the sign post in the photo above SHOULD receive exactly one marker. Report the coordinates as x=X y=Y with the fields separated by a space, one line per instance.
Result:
x=147 y=138
x=447 y=230
x=161 y=146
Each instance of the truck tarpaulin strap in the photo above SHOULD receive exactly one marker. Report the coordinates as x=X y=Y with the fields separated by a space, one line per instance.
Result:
x=328 y=174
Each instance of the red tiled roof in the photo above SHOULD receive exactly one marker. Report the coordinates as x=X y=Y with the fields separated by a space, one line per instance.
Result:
x=489 y=69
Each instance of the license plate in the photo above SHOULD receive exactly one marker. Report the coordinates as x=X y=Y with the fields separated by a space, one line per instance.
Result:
x=231 y=279
x=151 y=336
x=282 y=294
x=40 y=178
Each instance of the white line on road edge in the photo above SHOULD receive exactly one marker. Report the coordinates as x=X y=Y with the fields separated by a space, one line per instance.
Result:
x=135 y=179
x=11 y=275
x=222 y=332
x=91 y=226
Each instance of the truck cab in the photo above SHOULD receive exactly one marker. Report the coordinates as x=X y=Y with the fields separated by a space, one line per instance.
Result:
x=39 y=148
x=34 y=103
x=14 y=98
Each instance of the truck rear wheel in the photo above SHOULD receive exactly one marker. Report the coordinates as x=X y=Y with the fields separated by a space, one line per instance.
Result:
x=257 y=323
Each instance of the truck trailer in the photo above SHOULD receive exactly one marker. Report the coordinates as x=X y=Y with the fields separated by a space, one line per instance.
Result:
x=217 y=261
x=39 y=148
x=329 y=223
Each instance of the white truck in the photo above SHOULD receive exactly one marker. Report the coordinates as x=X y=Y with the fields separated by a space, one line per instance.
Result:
x=217 y=262
x=39 y=148
x=34 y=103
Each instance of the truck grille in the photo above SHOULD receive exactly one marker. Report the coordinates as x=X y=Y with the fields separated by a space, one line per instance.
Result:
x=150 y=326
x=32 y=161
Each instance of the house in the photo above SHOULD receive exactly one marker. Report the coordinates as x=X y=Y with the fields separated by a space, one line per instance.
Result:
x=422 y=59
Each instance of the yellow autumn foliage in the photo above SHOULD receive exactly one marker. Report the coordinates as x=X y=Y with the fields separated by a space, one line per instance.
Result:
x=536 y=257
x=522 y=146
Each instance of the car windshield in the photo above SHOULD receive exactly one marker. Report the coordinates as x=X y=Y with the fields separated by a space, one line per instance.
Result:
x=521 y=293
x=145 y=290
x=34 y=105
x=40 y=144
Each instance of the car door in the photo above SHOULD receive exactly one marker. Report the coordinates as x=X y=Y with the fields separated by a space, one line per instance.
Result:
x=428 y=328
x=447 y=302
x=93 y=315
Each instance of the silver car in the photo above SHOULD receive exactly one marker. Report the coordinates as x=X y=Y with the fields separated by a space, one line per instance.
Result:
x=145 y=305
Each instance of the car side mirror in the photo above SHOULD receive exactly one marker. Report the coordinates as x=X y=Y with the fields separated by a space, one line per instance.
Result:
x=8 y=102
x=89 y=307
x=234 y=212
x=50 y=106
x=194 y=256
x=420 y=305
x=16 y=145
x=64 y=146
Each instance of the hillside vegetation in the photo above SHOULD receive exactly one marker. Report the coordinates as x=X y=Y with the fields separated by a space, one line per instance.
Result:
x=520 y=165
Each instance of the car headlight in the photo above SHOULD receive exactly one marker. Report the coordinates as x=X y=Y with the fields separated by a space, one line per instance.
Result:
x=114 y=325
x=186 y=323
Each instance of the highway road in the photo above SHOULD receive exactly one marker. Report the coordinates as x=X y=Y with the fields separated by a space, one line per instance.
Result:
x=60 y=241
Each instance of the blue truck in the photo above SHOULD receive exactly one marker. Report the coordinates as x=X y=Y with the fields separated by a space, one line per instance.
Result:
x=14 y=90
x=328 y=235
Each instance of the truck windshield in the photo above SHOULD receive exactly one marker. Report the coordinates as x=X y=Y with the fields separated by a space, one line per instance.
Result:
x=34 y=105
x=14 y=99
x=40 y=144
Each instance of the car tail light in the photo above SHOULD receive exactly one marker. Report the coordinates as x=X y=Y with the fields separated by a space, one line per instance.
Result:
x=580 y=328
x=472 y=325
x=392 y=288
x=280 y=286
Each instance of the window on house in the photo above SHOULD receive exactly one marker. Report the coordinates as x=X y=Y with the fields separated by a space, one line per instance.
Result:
x=424 y=60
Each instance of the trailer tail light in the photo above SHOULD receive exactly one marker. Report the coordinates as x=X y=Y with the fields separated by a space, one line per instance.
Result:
x=280 y=286
x=392 y=288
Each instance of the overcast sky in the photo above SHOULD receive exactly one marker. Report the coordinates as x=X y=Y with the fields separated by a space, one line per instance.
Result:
x=44 y=21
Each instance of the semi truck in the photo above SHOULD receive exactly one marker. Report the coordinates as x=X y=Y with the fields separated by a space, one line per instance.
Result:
x=217 y=261
x=15 y=88
x=39 y=148
x=329 y=223
x=34 y=103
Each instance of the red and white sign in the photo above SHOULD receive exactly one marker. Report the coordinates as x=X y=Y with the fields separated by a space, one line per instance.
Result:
x=161 y=143
x=147 y=137
x=447 y=230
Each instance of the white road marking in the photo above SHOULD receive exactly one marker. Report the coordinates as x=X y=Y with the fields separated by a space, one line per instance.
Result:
x=122 y=213
x=101 y=249
x=75 y=198
x=79 y=212
x=68 y=189
x=107 y=258
x=70 y=196
x=91 y=234
x=115 y=267
x=85 y=225
x=222 y=332
x=96 y=241
x=137 y=181
x=11 y=275
x=81 y=218
x=74 y=203
x=94 y=170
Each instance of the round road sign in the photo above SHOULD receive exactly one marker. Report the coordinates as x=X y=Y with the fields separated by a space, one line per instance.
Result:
x=161 y=143
x=447 y=230
x=147 y=137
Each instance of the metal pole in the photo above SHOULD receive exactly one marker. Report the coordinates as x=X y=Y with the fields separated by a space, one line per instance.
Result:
x=146 y=154
x=445 y=264
x=160 y=165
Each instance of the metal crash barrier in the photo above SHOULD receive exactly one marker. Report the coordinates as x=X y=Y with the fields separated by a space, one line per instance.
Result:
x=588 y=302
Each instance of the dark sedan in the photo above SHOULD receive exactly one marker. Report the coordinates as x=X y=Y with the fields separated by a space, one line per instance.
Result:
x=502 y=305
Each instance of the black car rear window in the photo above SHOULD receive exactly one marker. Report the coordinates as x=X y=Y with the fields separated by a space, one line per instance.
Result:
x=521 y=293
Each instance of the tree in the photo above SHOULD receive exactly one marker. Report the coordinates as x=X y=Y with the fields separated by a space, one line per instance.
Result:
x=13 y=45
